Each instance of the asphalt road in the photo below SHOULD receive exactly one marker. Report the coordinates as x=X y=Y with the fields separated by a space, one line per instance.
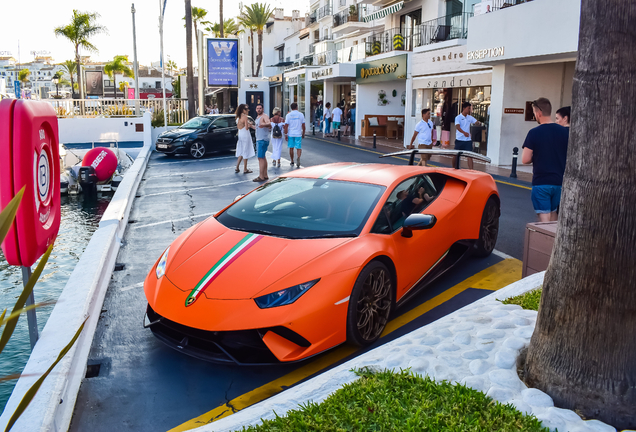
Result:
x=142 y=385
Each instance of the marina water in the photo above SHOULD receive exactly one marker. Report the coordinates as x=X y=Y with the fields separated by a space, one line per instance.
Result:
x=80 y=219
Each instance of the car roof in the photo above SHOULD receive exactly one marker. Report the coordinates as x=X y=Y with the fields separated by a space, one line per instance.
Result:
x=376 y=173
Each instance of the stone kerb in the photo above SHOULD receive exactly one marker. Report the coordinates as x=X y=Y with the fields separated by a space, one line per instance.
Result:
x=83 y=296
x=476 y=346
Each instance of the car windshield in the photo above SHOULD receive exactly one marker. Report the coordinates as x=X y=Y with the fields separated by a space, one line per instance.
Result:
x=196 y=123
x=304 y=208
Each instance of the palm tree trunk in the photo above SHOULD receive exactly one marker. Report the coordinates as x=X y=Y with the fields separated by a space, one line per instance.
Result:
x=189 y=72
x=582 y=352
x=221 y=18
x=115 y=84
x=260 y=52
x=79 y=75
x=252 y=45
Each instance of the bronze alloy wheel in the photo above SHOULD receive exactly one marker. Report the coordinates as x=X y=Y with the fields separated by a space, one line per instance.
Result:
x=197 y=150
x=370 y=304
x=489 y=229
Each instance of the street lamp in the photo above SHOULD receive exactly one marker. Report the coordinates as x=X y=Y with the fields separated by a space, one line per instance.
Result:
x=57 y=92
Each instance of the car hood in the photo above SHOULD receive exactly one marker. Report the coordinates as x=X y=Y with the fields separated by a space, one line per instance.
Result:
x=176 y=133
x=233 y=265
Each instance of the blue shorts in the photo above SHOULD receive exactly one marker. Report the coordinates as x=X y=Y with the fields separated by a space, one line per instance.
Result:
x=545 y=198
x=336 y=125
x=294 y=142
x=261 y=148
x=463 y=145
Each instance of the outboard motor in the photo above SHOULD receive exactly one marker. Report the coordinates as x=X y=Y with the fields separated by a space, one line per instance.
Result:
x=88 y=181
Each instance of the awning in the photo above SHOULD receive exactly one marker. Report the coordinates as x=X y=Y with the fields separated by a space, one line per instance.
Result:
x=384 y=12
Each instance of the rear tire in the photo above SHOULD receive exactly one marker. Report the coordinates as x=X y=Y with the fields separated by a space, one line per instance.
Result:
x=370 y=304
x=197 y=150
x=488 y=229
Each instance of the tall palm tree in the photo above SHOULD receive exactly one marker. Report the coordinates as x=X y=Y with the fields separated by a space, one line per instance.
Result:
x=23 y=76
x=230 y=27
x=189 y=71
x=198 y=17
x=70 y=67
x=171 y=65
x=82 y=28
x=119 y=64
x=245 y=21
x=582 y=349
x=257 y=15
x=222 y=33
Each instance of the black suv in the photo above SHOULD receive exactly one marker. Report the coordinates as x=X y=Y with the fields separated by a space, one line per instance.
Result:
x=200 y=135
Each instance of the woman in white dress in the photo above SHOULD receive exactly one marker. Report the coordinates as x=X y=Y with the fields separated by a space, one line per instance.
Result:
x=245 y=145
x=277 y=141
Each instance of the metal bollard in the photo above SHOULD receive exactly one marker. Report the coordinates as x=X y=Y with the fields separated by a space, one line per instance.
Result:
x=515 y=153
x=338 y=134
x=374 y=138
x=313 y=129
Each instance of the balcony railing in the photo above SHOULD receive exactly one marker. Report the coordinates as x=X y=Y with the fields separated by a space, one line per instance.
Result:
x=352 y=53
x=67 y=108
x=502 y=4
x=325 y=58
x=390 y=40
x=324 y=11
x=312 y=17
x=325 y=38
x=352 y=14
x=342 y=3
x=444 y=28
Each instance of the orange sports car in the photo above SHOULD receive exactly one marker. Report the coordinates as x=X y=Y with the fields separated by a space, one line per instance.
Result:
x=316 y=258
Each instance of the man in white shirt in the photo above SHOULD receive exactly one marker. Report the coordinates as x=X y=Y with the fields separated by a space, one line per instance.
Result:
x=294 y=132
x=336 y=115
x=462 y=135
x=424 y=134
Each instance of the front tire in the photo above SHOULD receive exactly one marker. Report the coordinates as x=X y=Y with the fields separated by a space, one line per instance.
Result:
x=370 y=304
x=488 y=229
x=197 y=150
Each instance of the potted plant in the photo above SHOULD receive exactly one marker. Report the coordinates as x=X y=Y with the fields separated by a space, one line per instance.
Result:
x=353 y=13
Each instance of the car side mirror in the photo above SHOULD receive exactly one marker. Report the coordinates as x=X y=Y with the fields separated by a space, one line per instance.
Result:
x=417 y=222
x=238 y=197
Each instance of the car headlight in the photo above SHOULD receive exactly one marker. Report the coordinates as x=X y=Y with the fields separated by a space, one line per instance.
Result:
x=161 y=265
x=284 y=297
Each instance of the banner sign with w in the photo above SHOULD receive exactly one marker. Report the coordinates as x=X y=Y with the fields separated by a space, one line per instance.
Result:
x=223 y=58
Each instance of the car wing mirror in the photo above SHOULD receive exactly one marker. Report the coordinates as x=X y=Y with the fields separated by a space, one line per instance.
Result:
x=238 y=197
x=417 y=222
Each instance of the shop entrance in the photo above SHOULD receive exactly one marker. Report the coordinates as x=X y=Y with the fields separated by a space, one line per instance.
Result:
x=253 y=99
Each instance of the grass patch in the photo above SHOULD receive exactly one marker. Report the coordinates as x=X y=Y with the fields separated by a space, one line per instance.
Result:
x=529 y=300
x=389 y=401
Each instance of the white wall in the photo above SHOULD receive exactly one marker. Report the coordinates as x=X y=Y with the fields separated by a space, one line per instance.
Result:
x=367 y=100
x=87 y=130
x=512 y=87
x=515 y=28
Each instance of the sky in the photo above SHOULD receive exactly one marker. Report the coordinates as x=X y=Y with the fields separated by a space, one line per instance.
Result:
x=31 y=26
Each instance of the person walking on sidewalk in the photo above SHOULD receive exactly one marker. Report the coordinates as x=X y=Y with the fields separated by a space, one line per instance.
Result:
x=337 y=118
x=295 y=132
x=424 y=134
x=353 y=120
x=278 y=124
x=463 y=122
x=244 y=146
x=327 y=119
x=546 y=148
x=563 y=116
x=263 y=128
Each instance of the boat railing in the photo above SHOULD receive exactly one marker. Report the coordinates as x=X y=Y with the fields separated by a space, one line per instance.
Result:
x=177 y=109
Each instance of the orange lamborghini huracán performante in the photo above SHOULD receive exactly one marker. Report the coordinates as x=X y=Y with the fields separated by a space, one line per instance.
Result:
x=315 y=258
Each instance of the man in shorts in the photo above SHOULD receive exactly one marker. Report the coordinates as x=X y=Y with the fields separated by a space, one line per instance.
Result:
x=546 y=148
x=462 y=135
x=263 y=128
x=294 y=132
x=336 y=115
x=424 y=134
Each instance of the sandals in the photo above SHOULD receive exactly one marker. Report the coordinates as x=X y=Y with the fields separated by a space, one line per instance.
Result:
x=258 y=179
x=237 y=170
x=248 y=171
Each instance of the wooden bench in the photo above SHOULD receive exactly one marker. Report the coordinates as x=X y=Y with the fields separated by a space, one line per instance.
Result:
x=367 y=130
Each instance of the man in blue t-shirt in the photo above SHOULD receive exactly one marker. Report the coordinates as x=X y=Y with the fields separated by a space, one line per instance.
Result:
x=546 y=148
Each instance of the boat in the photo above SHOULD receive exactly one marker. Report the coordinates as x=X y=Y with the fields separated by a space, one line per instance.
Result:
x=100 y=168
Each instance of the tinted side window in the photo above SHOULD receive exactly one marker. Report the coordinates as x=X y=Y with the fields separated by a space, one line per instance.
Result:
x=221 y=122
x=231 y=121
x=410 y=196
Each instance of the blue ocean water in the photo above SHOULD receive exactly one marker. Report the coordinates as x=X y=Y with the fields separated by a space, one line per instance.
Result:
x=80 y=219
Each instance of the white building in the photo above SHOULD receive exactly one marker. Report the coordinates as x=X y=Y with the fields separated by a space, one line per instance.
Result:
x=40 y=79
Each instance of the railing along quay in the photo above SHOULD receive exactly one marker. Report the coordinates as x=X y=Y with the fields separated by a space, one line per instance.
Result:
x=91 y=108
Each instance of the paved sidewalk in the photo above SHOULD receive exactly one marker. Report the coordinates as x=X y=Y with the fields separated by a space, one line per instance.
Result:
x=385 y=145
